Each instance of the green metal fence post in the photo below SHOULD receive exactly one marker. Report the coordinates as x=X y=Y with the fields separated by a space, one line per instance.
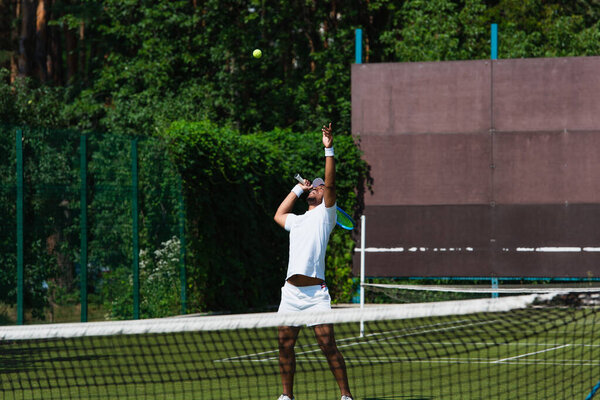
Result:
x=358 y=46
x=182 y=269
x=83 y=227
x=20 y=269
x=134 y=212
x=494 y=56
x=494 y=42
x=494 y=286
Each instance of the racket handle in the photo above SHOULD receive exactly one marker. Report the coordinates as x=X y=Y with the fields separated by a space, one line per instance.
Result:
x=299 y=178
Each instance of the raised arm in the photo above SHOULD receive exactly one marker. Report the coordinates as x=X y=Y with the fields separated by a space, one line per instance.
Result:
x=288 y=203
x=329 y=194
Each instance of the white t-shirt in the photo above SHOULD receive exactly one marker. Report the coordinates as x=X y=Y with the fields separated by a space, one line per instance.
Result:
x=309 y=235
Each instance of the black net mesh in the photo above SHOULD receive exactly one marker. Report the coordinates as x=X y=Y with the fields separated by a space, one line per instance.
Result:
x=469 y=349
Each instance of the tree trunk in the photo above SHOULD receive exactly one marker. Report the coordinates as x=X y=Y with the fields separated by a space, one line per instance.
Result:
x=41 y=41
x=82 y=51
x=55 y=51
x=26 y=52
x=14 y=35
x=6 y=15
x=71 y=43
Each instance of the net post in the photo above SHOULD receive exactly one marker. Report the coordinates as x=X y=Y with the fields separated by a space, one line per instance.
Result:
x=83 y=228
x=362 y=271
x=494 y=286
x=20 y=268
x=134 y=214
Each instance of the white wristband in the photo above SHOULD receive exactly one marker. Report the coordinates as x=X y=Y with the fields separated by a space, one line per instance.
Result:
x=298 y=190
x=329 y=152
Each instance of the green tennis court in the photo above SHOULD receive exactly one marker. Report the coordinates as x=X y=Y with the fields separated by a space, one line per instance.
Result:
x=548 y=353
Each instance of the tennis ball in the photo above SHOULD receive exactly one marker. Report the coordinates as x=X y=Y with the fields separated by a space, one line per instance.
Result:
x=257 y=53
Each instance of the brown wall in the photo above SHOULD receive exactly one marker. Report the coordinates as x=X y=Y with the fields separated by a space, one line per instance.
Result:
x=498 y=157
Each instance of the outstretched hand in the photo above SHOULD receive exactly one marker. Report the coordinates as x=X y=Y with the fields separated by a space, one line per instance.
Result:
x=327 y=135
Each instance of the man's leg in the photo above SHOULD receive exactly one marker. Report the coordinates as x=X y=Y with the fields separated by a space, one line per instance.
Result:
x=287 y=357
x=326 y=340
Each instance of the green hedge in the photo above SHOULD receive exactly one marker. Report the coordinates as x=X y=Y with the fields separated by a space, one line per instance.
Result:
x=233 y=185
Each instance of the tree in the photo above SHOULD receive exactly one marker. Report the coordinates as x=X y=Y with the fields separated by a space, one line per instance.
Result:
x=547 y=29
x=134 y=68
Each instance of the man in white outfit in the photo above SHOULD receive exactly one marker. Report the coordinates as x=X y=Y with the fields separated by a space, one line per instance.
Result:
x=305 y=289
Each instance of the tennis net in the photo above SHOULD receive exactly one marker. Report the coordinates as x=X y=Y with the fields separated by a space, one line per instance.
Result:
x=535 y=346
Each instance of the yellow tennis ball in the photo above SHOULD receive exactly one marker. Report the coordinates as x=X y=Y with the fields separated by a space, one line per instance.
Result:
x=257 y=53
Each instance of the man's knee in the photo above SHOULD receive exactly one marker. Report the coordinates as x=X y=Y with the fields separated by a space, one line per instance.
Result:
x=328 y=346
x=326 y=341
x=286 y=344
x=287 y=339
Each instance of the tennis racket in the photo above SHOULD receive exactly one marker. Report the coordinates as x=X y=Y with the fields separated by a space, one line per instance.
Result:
x=343 y=219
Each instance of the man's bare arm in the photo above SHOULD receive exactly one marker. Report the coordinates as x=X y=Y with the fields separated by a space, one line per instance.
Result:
x=329 y=195
x=287 y=205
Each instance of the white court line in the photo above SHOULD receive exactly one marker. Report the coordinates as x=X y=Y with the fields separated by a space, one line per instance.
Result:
x=469 y=249
x=450 y=360
x=516 y=360
x=442 y=360
x=387 y=339
x=530 y=354
x=354 y=342
x=438 y=327
x=359 y=343
x=497 y=344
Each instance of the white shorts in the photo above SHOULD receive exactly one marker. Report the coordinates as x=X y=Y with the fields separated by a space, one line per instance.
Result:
x=313 y=298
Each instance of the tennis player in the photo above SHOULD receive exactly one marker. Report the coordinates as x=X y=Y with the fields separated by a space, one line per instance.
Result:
x=305 y=289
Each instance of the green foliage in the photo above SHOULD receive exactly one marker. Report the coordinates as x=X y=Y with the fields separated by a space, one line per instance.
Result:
x=26 y=102
x=155 y=62
x=110 y=224
x=48 y=216
x=147 y=64
x=160 y=280
x=530 y=28
x=437 y=30
x=233 y=186
x=159 y=284
x=52 y=209
x=8 y=242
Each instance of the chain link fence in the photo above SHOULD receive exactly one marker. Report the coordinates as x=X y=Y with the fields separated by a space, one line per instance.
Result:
x=91 y=219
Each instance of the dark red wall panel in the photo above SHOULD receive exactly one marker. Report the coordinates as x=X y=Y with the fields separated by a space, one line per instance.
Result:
x=501 y=157
x=396 y=98
x=421 y=169
x=546 y=94
x=547 y=167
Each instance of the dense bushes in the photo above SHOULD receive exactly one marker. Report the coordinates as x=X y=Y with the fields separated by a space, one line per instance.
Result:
x=233 y=186
x=143 y=65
